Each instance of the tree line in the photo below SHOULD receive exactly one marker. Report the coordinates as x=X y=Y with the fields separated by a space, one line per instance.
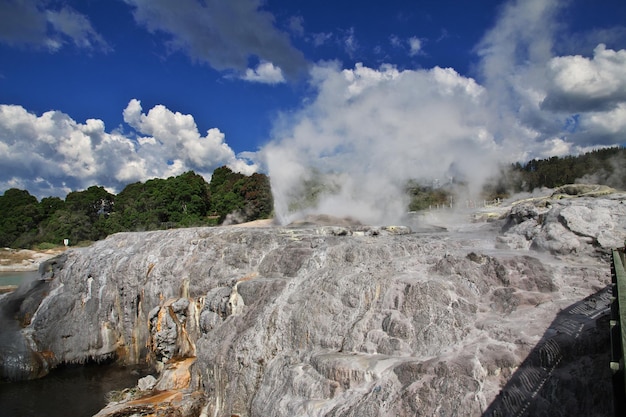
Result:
x=603 y=166
x=92 y=214
x=188 y=200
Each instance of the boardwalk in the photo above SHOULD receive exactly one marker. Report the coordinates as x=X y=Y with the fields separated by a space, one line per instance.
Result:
x=618 y=330
x=532 y=390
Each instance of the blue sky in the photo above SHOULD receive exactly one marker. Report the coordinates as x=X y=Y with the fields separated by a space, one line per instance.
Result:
x=109 y=92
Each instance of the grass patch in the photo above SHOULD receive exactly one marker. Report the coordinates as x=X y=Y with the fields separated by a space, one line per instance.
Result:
x=46 y=246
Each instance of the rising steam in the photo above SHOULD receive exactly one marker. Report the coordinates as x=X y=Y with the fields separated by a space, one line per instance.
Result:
x=350 y=150
x=368 y=132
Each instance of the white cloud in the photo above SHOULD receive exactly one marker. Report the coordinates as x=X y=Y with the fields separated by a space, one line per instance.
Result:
x=351 y=44
x=552 y=147
x=319 y=39
x=296 y=25
x=67 y=155
x=132 y=113
x=605 y=127
x=415 y=46
x=76 y=27
x=579 y=84
x=224 y=34
x=265 y=73
x=395 y=41
x=174 y=136
x=33 y=23
x=534 y=95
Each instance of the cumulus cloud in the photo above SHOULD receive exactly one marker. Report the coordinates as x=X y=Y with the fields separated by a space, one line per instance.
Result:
x=579 y=84
x=265 y=73
x=604 y=127
x=224 y=34
x=33 y=23
x=52 y=154
x=370 y=130
x=175 y=137
x=536 y=98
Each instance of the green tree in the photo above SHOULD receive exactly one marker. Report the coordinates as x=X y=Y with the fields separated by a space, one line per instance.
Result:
x=602 y=166
x=93 y=202
x=91 y=214
x=257 y=194
x=425 y=197
x=87 y=211
x=224 y=188
x=49 y=205
x=73 y=225
x=159 y=203
x=250 y=197
x=19 y=214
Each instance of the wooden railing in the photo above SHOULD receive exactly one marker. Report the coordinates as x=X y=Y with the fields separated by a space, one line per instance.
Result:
x=618 y=329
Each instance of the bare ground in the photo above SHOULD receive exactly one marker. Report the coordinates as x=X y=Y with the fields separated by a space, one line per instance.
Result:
x=16 y=260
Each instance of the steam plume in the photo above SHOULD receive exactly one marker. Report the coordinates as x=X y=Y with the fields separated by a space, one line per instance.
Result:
x=370 y=130
x=367 y=131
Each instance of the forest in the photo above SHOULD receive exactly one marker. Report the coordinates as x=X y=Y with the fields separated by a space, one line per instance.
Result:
x=92 y=214
x=188 y=200
x=603 y=166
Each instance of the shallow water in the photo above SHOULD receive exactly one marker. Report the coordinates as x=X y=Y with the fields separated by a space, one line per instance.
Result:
x=16 y=278
x=76 y=391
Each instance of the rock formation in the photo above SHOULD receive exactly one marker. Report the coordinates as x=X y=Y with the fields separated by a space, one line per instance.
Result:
x=345 y=320
x=562 y=225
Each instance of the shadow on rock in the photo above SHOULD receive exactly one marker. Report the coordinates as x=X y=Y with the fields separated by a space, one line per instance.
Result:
x=567 y=373
x=17 y=359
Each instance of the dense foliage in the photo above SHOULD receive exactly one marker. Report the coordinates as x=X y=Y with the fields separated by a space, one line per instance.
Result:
x=244 y=198
x=92 y=214
x=19 y=214
x=161 y=203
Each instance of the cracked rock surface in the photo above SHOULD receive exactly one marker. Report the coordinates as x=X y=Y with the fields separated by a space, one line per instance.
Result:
x=346 y=320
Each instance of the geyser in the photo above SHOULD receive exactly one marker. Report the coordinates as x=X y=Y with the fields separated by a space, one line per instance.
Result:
x=368 y=132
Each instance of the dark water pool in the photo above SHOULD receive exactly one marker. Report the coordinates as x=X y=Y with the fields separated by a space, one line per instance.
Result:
x=77 y=391
x=71 y=391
